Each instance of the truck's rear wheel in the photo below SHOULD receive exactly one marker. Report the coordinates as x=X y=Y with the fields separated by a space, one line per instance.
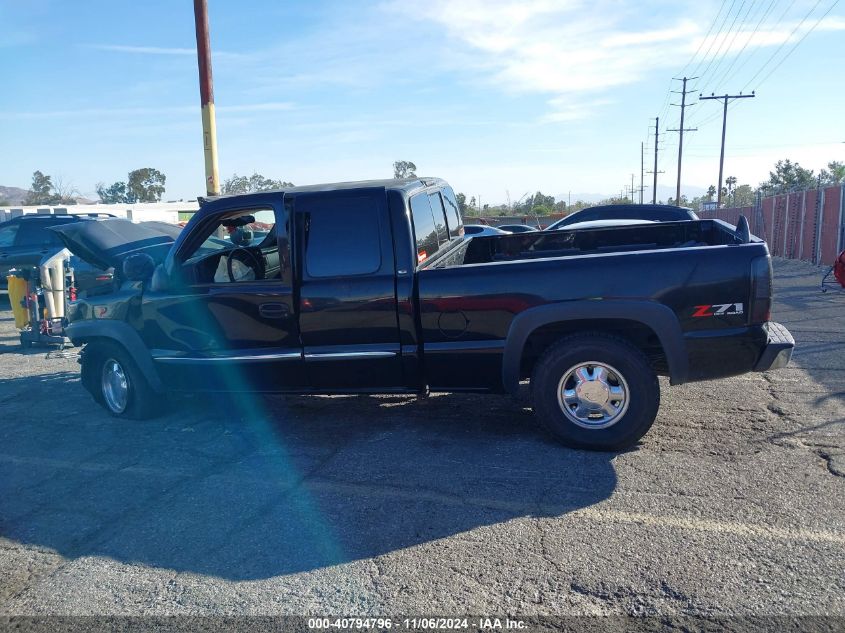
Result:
x=595 y=391
x=116 y=383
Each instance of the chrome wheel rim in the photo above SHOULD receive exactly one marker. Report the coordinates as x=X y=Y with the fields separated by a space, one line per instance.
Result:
x=115 y=386
x=593 y=395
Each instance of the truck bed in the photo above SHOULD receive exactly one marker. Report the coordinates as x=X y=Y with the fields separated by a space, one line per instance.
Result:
x=563 y=243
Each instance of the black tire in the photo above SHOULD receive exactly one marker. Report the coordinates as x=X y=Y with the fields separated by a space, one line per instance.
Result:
x=141 y=402
x=643 y=391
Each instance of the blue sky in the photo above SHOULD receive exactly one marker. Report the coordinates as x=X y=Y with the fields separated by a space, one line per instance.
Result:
x=494 y=96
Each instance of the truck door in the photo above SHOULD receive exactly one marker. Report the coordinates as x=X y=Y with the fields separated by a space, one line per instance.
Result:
x=347 y=299
x=231 y=324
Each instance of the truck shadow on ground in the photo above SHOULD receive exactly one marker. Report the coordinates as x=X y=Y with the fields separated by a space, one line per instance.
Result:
x=255 y=487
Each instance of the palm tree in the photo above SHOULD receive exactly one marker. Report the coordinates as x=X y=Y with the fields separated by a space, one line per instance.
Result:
x=711 y=191
x=730 y=181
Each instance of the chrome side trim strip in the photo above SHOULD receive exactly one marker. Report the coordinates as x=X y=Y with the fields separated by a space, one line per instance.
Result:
x=348 y=355
x=252 y=357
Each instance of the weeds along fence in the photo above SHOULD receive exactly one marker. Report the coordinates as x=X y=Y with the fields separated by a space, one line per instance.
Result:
x=806 y=225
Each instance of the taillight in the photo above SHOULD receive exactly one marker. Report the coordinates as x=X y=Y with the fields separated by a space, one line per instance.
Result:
x=761 y=289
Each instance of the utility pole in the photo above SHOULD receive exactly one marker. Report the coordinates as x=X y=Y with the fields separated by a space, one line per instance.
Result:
x=655 y=172
x=681 y=131
x=209 y=124
x=642 y=168
x=632 y=189
x=725 y=98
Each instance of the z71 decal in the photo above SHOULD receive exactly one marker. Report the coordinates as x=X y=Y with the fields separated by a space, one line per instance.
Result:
x=717 y=309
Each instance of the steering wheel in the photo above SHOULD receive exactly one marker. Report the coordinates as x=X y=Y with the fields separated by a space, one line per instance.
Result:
x=256 y=269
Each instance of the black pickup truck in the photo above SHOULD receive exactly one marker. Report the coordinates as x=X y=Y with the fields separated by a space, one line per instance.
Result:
x=372 y=287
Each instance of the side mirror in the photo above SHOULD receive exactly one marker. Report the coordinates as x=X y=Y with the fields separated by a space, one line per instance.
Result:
x=743 y=231
x=138 y=267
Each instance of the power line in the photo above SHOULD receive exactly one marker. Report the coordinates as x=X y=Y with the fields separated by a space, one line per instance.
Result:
x=730 y=43
x=782 y=44
x=716 y=37
x=792 y=50
x=709 y=31
x=754 y=52
x=665 y=105
x=765 y=14
x=724 y=41
x=750 y=56
x=785 y=57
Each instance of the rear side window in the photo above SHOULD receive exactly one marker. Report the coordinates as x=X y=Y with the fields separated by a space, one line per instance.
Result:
x=35 y=233
x=453 y=213
x=439 y=217
x=425 y=231
x=342 y=237
x=584 y=216
x=7 y=234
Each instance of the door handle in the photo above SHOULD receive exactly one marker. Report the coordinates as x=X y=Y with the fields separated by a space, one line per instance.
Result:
x=273 y=310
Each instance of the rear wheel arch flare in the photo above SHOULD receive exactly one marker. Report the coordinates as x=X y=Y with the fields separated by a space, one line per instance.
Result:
x=656 y=317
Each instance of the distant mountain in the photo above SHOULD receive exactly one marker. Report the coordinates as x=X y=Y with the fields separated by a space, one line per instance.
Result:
x=12 y=195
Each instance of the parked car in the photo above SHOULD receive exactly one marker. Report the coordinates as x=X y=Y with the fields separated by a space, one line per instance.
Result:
x=599 y=224
x=368 y=287
x=477 y=230
x=652 y=212
x=517 y=228
x=26 y=240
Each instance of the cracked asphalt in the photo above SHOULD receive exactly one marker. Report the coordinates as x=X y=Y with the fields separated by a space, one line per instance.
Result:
x=733 y=504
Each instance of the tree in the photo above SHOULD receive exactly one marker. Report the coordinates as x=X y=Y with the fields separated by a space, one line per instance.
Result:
x=44 y=191
x=743 y=196
x=141 y=185
x=834 y=174
x=543 y=201
x=462 y=203
x=790 y=176
x=145 y=184
x=256 y=182
x=41 y=190
x=404 y=169
x=711 y=193
x=65 y=190
x=114 y=194
x=730 y=182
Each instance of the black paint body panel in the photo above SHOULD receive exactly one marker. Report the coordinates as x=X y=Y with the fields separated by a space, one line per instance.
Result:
x=460 y=320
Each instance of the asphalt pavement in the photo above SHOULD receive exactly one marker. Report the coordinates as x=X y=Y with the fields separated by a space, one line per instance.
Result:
x=733 y=504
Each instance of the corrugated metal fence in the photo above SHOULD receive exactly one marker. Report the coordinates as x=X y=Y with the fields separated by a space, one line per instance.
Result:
x=805 y=225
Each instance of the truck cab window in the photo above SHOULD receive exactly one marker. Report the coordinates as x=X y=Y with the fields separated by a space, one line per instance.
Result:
x=453 y=213
x=425 y=230
x=239 y=247
x=439 y=217
x=342 y=235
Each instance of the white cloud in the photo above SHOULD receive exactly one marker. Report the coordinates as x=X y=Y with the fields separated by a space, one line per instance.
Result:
x=567 y=49
x=162 y=50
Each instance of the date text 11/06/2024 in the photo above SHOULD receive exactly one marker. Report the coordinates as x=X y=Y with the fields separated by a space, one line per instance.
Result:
x=422 y=623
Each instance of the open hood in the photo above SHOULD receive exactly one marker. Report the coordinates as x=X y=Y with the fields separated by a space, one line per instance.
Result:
x=106 y=243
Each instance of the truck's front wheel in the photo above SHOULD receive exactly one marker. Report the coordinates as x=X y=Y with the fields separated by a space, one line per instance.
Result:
x=595 y=391
x=116 y=383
